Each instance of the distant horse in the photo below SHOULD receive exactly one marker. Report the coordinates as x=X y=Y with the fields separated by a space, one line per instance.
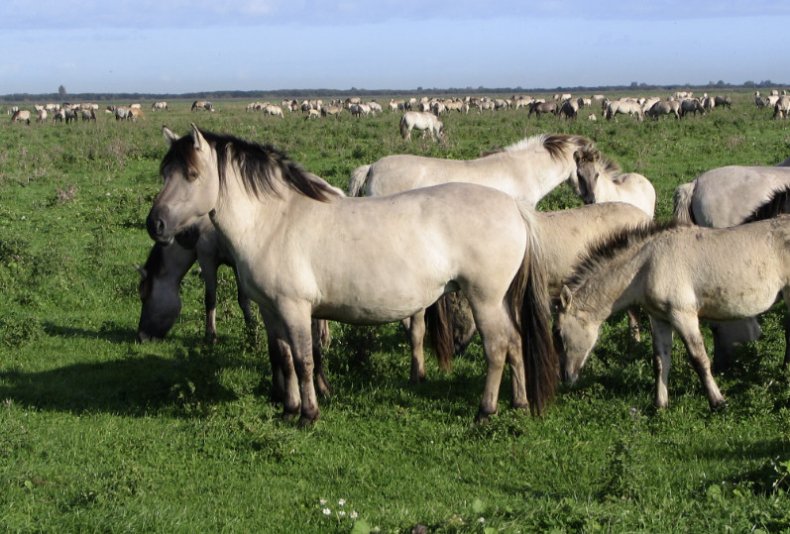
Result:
x=679 y=275
x=202 y=105
x=691 y=105
x=528 y=169
x=160 y=284
x=723 y=101
x=664 y=107
x=426 y=242
x=600 y=180
x=729 y=196
x=159 y=106
x=123 y=113
x=569 y=109
x=538 y=108
x=625 y=107
x=21 y=115
x=421 y=120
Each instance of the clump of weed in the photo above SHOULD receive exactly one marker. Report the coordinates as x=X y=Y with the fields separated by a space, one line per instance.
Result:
x=16 y=331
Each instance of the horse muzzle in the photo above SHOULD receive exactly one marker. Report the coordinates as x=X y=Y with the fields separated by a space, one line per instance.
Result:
x=569 y=377
x=158 y=227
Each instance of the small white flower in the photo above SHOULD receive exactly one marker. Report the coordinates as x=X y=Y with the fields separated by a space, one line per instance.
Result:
x=353 y=515
x=322 y=502
x=341 y=502
x=341 y=513
x=326 y=511
x=481 y=519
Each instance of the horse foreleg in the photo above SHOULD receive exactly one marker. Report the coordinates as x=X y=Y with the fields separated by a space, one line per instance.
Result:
x=662 y=359
x=687 y=326
x=416 y=329
x=244 y=302
x=633 y=325
x=318 y=329
x=518 y=374
x=297 y=325
x=285 y=386
x=209 y=273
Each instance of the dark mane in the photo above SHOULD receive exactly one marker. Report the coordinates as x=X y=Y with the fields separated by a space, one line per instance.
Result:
x=155 y=260
x=775 y=205
x=611 y=246
x=556 y=144
x=258 y=165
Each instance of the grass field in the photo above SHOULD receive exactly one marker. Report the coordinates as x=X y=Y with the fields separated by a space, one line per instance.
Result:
x=98 y=433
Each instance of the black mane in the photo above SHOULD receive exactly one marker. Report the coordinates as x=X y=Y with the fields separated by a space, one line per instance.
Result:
x=257 y=164
x=611 y=246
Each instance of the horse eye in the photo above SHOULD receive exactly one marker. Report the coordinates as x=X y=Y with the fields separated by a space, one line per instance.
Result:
x=192 y=175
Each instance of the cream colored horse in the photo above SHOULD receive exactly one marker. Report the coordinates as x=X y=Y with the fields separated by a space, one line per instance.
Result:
x=298 y=246
x=600 y=180
x=526 y=170
x=729 y=196
x=421 y=120
x=679 y=275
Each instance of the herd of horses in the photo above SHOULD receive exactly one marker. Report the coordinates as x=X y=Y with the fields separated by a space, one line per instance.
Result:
x=442 y=227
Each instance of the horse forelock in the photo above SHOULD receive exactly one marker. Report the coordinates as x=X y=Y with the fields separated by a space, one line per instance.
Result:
x=610 y=247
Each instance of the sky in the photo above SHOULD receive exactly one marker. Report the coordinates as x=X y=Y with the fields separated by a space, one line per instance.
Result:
x=183 y=46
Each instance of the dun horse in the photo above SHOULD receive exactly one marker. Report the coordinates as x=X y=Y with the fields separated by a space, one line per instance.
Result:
x=679 y=275
x=526 y=170
x=421 y=120
x=729 y=196
x=296 y=244
x=600 y=180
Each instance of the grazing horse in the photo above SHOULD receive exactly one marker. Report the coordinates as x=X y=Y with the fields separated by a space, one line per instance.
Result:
x=422 y=120
x=600 y=180
x=160 y=284
x=528 y=169
x=159 y=106
x=295 y=243
x=624 y=106
x=202 y=105
x=538 y=108
x=21 y=115
x=679 y=275
x=729 y=196
x=691 y=105
x=664 y=107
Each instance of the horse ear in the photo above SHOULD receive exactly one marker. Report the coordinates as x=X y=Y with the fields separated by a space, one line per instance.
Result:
x=566 y=297
x=170 y=136
x=200 y=141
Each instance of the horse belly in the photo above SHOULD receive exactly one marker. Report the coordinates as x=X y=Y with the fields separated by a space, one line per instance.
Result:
x=735 y=302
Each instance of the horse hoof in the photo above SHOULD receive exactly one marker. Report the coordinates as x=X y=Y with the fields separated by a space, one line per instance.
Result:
x=306 y=421
x=718 y=406
x=483 y=417
x=523 y=406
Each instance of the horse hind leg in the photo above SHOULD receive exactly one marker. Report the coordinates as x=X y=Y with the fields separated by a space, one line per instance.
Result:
x=415 y=325
x=498 y=334
x=662 y=359
x=687 y=326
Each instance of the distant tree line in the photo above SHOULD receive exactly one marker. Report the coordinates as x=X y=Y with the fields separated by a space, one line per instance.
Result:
x=61 y=95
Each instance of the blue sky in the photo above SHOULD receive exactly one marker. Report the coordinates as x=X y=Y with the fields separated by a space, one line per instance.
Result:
x=178 y=46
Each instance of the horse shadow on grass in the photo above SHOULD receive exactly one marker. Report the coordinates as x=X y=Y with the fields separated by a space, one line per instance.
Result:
x=136 y=386
x=109 y=331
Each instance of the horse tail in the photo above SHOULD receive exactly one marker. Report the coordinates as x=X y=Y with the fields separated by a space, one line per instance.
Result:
x=404 y=127
x=530 y=307
x=438 y=322
x=357 y=181
x=682 y=203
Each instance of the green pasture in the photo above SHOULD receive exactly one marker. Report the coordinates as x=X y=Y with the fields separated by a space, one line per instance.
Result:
x=101 y=434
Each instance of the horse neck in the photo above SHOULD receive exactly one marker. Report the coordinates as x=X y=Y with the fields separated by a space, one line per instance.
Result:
x=614 y=286
x=240 y=214
x=544 y=174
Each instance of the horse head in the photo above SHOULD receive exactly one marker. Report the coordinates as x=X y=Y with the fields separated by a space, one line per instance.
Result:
x=191 y=185
x=574 y=337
